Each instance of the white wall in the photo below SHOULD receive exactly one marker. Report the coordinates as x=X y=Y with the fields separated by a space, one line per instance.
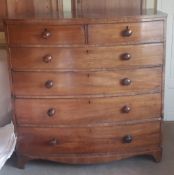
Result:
x=67 y=5
x=150 y=3
x=168 y=7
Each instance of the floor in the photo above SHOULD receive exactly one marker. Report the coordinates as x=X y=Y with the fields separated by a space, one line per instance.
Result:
x=132 y=166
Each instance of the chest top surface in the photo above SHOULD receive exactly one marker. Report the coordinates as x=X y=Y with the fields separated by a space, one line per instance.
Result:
x=83 y=17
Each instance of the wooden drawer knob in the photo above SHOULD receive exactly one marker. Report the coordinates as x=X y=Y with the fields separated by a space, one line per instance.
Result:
x=51 y=112
x=53 y=142
x=126 y=109
x=127 y=139
x=46 y=34
x=49 y=84
x=127 y=32
x=126 y=56
x=126 y=82
x=47 y=58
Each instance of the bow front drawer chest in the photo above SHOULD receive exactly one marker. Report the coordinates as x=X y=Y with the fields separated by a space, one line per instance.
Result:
x=87 y=89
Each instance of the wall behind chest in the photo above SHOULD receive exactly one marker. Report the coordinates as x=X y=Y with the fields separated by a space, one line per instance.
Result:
x=168 y=7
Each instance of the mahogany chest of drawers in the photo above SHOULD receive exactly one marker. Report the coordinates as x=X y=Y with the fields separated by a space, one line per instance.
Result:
x=87 y=90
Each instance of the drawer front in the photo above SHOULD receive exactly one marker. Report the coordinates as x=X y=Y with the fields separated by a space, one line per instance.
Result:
x=126 y=33
x=79 y=112
x=86 y=83
x=86 y=58
x=43 y=35
x=120 y=139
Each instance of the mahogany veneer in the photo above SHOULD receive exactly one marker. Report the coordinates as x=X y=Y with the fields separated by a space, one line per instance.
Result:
x=54 y=58
x=126 y=33
x=87 y=88
x=56 y=112
x=86 y=83
x=85 y=140
x=40 y=34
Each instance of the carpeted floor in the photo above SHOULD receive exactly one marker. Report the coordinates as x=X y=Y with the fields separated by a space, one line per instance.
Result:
x=132 y=166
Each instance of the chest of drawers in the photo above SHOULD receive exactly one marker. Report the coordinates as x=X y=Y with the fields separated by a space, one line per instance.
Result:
x=87 y=90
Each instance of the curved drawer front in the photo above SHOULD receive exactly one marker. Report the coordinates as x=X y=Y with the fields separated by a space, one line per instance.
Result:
x=144 y=32
x=87 y=83
x=120 y=139
x=82 y=112
x=44 y=35
x=86 y=58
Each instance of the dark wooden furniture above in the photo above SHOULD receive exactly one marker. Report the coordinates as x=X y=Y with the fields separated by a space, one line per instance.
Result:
x=87 y=88
x=10 y=8
x=92 y=6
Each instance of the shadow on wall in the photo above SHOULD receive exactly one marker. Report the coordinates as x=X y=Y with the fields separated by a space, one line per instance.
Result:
x=5 y=100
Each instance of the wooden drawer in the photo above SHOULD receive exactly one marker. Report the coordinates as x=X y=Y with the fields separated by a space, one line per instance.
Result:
x=45 y=35
x=87 y=83
x=144 y=32
x=86 y=58
x=79 y=112
x=104 y=139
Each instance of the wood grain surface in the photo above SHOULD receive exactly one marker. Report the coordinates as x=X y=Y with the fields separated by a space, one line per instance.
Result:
x=87 y=140
x=86 y=83
x=89 y=111
x=34 y=34
x=113 y=33
x=86 y=58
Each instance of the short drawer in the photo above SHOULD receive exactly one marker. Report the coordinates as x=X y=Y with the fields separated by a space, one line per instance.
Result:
x=90 y=111
x=45 y=35
x=104 y=139
x=144 y=32
x=87 y=83
x=86 y=58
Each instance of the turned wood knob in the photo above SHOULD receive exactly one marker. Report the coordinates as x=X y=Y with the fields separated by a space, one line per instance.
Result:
x=126 y=56
x=46 y=34
x=53 y=142
x=51 y=112
x=49 y=84
x=126 y=82
x=47 y=58
x=126 y=109
x=127 y=139
x=127 y=32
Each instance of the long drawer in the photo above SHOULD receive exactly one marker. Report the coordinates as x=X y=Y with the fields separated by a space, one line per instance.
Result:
x=143 y=32
x=82 y=112
x=105 y=139
x=86 y=58
x=87 y=83
x=46 y=34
